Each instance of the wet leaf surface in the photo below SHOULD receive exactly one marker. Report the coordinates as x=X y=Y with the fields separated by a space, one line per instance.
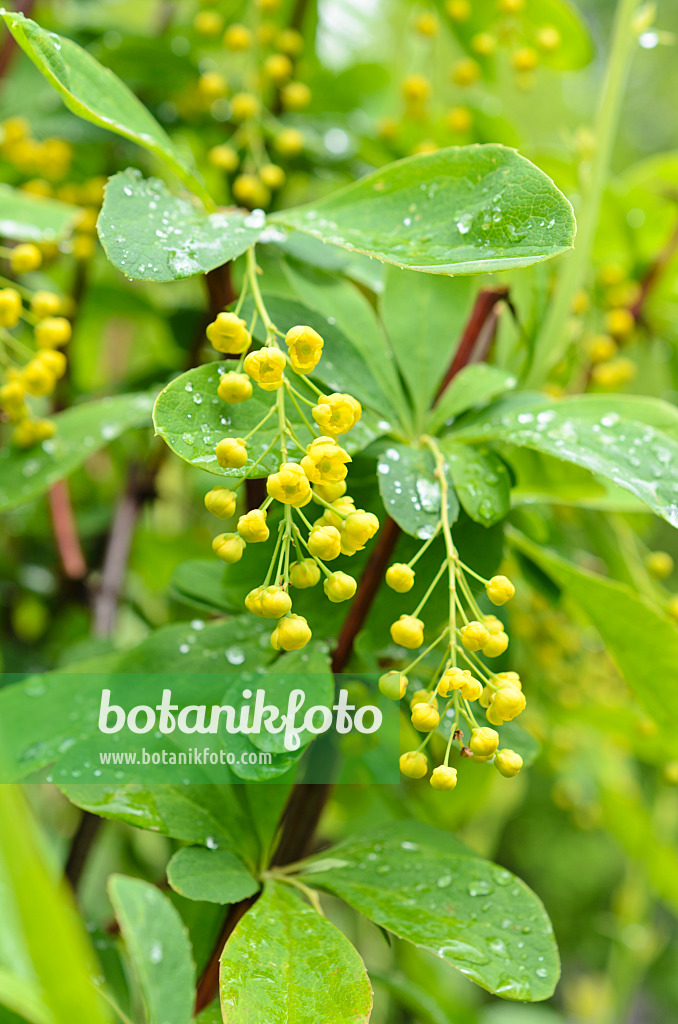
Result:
x=215 y=876
x=410 y=491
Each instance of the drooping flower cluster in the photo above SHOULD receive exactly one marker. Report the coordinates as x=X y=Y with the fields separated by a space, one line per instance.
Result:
x=313 y=472
x=30 y=371
x=454 y=688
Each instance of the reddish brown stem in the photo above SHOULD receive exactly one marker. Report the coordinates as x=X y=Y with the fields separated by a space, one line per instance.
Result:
x=655 y=273
x=473 y=345
x=8 y=47
x=65 y=531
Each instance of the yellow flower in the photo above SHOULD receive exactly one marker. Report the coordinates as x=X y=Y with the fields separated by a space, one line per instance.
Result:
x=325 y=461
x=356 y=530
x=304 y=574
x=330 y=492
x=228 y=547
x=253 y=601
x=253 y=528
x=10 y=307
x=208 y=23
x=224 y=157
x=37 y=378
x=212 y=86
x=296 y=96
x=341 y=507
x=458 y=10
x=453 y=679
x=601 y=348
x=459 y=120
x=416 y=89
x=425 y=718
x=12 y=399
x=53 y=332
x=414 y=764
x=400 y=577
x=245 y=105
x=500 y=589
x=426 y=24
x=305 y=347
x=659 y=564
x=324 y=542
x=31 y=432
x=24 y=258
x=289 y=142
x=525 y=59
x=495 y=644
x=508 y=762
x=549 y=38
x=221 y=502
x=474 y=636
x=290 y=41
x=231 y=453
x=336 y=414
x=274 y=602
x=393 y=685
x=508 y=679
x=408 y=631
x=272 y=176
x=508 y=703
x=266 y=367
x=423 y=697
x=234 y=387
x=465 y=72
x=289 y=485
x=54 y=361
x=249 y=190
x=471 y=688
x=291 y=634
x=484 y=741
x=444 y=778
x=237 y=37
x=615 y=373
x=229 y=334
x=339 y=586
x=278 y=68
x=620 y=322
x=484 y=44
x=45 y=304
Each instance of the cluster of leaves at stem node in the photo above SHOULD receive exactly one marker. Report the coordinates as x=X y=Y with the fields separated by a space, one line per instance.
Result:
x=315 y=472
x=461 y=678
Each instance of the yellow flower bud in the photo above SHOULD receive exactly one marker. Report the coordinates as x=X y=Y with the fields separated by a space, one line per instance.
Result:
x=508 y=679
x=615 y=373
x=500 y=590
x=330 y=492
x=495 y=645
x=414 y=764
x=221 y=502
x=53 y=332
x=492 y=716
x=251 y=192
x=525 y=58
x=290 y=41
x=229 y=547
x=28 y=433
x=289 y=142
x=474 y=636
x=208 y=23
x=253 y=528
x=511 y=6
x=229 y=334
x=231 y=453
x=305 y=347
x=357 y=528
x=266 y=367
x=393 y=685
x=620 y=323
x=224 y=157
x=212 y=86
x=548 y=38
x=253 y=601
x=337 y=413
x=444 y=778
x=408 y=631
x=416 y=89
x=12 y=402
x=459 y=120
x=465 y=72
x=296 y=96
x=274 y=602
x=425 y=718
x=339 y=586
x=659 y=564
x=452 y=679
x=53 y=361
x=325 y=461
x=278 y=68
x=234 y=387
x=45 y=304
x=508 y=762
x=336 y=515
x=24 y=258
x=37 y=378
x=244 y=106
x=484 y=44
x=324 y=542
x=484 y=741
x=10 y=307
x=423 y=697
x=237 y=38
x=400 y=577
x=601 y=348
x=471 y=688
x=289 y=485
x=426 y=24
x=508 y=703
x=304 y=574
x=458 y=10
x=272 y=176
x=292 y=633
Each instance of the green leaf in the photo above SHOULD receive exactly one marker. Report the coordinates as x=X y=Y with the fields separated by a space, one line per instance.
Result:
x=642 y=641
x=285 y=962
x=28 y=218
x=94 y=93
x=544 y=479
x=200 y=583
x=81 y=431
x=151 y=235
x=480 y=479
x=410 y=491
x=465 y=210
x=211 y=1014
x=474 y=914
x=215 y=876
x=595 y=434
x=473 y=385
x=424 y=320
x=47 y=967
x=159 y=948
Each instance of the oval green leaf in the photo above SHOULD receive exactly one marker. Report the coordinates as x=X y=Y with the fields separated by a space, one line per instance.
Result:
x=410 y=491
x=463 y=210
x=27 y=218
x=215 y=876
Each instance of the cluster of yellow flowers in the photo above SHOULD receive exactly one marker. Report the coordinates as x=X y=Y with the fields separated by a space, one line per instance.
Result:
x=613 y=325
x=259 y=79
x=29 y=371
x=51 y=158
x=467 y=634
x=508 y=31
x=317 y=474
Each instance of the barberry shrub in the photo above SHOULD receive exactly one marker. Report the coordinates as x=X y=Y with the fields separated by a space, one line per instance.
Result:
x=384 y=448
